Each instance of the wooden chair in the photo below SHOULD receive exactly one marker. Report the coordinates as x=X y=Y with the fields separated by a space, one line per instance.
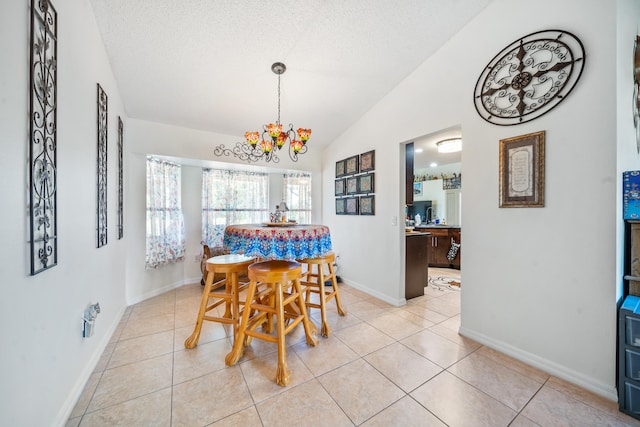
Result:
x=315 y=283
x=225 y=291
x=281 y=296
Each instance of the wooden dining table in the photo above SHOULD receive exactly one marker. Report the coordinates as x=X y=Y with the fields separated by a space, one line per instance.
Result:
x=287 y=241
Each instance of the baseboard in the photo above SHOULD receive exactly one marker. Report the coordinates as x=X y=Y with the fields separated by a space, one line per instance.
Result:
x=552 y=368
x=159 y=291
x=88 y=370
x=386 y=298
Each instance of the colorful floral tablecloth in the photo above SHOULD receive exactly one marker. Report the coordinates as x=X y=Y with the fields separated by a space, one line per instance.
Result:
x=290 y=242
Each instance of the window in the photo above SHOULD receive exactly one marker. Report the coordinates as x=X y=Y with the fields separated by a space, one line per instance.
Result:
x=297 y=194
x=232 y=197
x=165 y=222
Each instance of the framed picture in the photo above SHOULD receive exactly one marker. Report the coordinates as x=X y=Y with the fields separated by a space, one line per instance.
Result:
x=341 y=207
x=366 y=183
x=351 y=165
x=351 y=206
x=340 y=168
x=368 y=205
x=417 y=189
x=368 y=161
x=522 y=171
x=340 y=189
x=352 y=185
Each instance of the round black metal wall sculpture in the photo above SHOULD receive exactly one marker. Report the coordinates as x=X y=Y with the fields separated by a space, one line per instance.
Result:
x=529 y=77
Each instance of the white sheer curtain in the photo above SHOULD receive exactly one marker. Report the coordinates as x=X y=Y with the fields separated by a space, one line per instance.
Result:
x=232 y=197
x=165 y=222
x=297 y=194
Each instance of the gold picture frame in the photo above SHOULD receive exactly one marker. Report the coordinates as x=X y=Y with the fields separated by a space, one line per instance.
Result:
x=522 y=171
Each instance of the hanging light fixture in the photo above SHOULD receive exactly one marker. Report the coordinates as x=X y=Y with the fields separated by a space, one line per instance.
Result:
x=451 y=145
x=273 y=139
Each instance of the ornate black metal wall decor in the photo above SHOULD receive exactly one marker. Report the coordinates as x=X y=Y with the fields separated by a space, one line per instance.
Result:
x=43 y=139
x=102 y=167
x=529 y=77
x=120 y=181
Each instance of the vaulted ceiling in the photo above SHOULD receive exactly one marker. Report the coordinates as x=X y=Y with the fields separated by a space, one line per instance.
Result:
x=206 y=64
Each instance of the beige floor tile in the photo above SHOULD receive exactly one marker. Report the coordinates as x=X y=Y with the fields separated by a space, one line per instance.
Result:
x=211 y=331
x=497 y=380
x=246 y=418
x=442 y=306
x=395 y=326
x=452 y=323
x=406 y=412
x=513 y=364
x=191 y=363
x=336 y=322
x=366 y=310
x=552 y=407
x=360 y=390
x=304 y=405
x=522 y=421
x=153 y=409
x=406 y=368
x=329 y=354
x=260 y=375
x=149 y=325
x=354 y=292
x=364 y=338
x=141 y=348
x=457 y=403
x=127 y=382
x=414 y=318
x=436 y=348
x=104 y=358
x=607 y=406
x=87 y=394
x=73 y=422
x=425 y=313
x=140 y=314
x=210 y=398
x=118 y=331
x=453 y=336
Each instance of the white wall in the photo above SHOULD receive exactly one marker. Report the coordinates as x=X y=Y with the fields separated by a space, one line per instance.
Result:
x=45 y=361
x=553 y=303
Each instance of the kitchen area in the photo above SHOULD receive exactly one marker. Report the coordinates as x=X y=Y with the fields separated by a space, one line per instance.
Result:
x=433 y=208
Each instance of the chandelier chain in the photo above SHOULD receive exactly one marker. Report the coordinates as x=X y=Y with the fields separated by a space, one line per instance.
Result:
x=278 y=99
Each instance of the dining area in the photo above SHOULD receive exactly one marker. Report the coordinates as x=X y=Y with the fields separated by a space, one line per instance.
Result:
x=274 y=274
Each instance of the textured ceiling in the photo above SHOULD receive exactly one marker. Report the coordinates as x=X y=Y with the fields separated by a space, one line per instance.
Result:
x=206 y=64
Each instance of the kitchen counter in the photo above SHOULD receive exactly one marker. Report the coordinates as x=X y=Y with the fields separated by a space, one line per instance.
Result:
x=426 y=227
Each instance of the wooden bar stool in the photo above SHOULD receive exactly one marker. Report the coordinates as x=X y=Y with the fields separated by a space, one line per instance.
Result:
x=315 y=283
x=225 y=291
x=280 y=297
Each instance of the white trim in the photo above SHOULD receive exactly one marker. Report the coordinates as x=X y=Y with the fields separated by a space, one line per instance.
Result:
x=548 y=366
x=393 y=301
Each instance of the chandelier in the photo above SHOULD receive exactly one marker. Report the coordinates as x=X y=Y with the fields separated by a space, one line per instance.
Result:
x=253 y=148
x=451 y=145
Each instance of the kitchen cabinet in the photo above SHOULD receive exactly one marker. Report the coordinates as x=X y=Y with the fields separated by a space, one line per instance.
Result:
x=409 y=174
x=416 y=264
x=439 y=243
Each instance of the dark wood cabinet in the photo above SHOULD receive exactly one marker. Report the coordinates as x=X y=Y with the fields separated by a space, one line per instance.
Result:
x=416 y=261
x=409 y=174
x=439 y=244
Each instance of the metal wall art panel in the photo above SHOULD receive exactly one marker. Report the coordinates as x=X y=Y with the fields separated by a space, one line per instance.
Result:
x=102 y=167
x=42 y=134
x=120 y=180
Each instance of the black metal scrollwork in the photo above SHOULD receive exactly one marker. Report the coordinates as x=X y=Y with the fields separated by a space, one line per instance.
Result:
x=120 y=180
x=102 y=168
x=43 y=136
x=529 y=77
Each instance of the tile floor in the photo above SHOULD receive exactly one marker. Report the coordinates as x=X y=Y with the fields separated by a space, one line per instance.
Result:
x=383 y=366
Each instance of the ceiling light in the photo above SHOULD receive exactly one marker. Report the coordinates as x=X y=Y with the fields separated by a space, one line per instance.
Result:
x=254 y=149
x=449 y=145
x=433 y=164
x=418 y=150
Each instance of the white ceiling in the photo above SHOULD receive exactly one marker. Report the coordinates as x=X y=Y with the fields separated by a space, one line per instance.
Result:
x=206 y=64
